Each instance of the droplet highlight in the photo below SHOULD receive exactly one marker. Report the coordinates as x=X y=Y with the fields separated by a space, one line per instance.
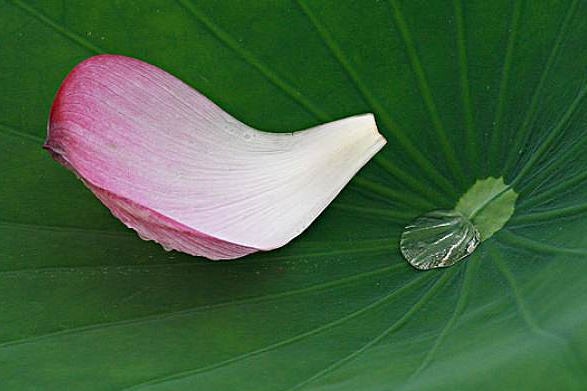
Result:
x=439 y=239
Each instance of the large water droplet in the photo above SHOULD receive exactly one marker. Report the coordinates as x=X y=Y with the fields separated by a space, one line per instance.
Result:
x=438 y=239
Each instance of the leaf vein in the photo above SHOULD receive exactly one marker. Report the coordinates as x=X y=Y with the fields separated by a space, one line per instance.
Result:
x=461 y=303
x=529 y=319
x=425 y=91
x=19 y=133
x=200 y=309
x=288 y=341
x=389 y=122
x=440 y=282
x=261 y=67
x=508 y=237
x=496 y=136
x=549 y=215
x=551 y=138
x=522 y=136
x=470 y=132
x=315 y=254
x=61 y=29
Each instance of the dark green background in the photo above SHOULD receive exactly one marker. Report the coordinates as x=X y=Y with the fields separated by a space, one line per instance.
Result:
x=461 y=89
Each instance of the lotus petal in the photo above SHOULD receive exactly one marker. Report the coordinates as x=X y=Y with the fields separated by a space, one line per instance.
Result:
x=176 y=168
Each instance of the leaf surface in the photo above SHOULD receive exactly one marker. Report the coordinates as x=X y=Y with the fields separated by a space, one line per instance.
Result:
x=461 y=90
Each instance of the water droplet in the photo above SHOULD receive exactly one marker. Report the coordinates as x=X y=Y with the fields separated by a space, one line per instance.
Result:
x=439 y=239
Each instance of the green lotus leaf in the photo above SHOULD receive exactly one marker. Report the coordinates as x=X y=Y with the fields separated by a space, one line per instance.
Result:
x=462 y=90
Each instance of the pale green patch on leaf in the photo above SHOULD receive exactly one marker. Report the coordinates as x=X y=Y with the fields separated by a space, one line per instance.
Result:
x=489 y=204
x=442 y=238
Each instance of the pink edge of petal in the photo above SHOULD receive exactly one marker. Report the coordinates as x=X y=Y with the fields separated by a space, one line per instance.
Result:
x=148 y=223
x=152 y=225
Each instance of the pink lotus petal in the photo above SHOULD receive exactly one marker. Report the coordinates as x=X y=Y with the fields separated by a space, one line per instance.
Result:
x=173 y=166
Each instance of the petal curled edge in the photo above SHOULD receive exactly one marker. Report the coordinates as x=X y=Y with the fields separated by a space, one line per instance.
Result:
x=179 y=170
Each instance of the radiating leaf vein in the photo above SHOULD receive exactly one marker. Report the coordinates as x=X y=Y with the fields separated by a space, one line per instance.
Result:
x=440 y=282
x=516 y=240
x=495 y=144
x=190 y=311
x=390 y=123
x=521 y=137
x=19 y=133
x=60 y=28
x=471 y=268
x=340 y=321
x=426 y=92
x=572 y=358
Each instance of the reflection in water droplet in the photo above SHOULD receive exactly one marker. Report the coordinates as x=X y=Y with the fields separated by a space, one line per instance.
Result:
x=438 y=239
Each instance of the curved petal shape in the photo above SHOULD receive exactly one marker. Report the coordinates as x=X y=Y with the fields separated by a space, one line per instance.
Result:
x=179 y=170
